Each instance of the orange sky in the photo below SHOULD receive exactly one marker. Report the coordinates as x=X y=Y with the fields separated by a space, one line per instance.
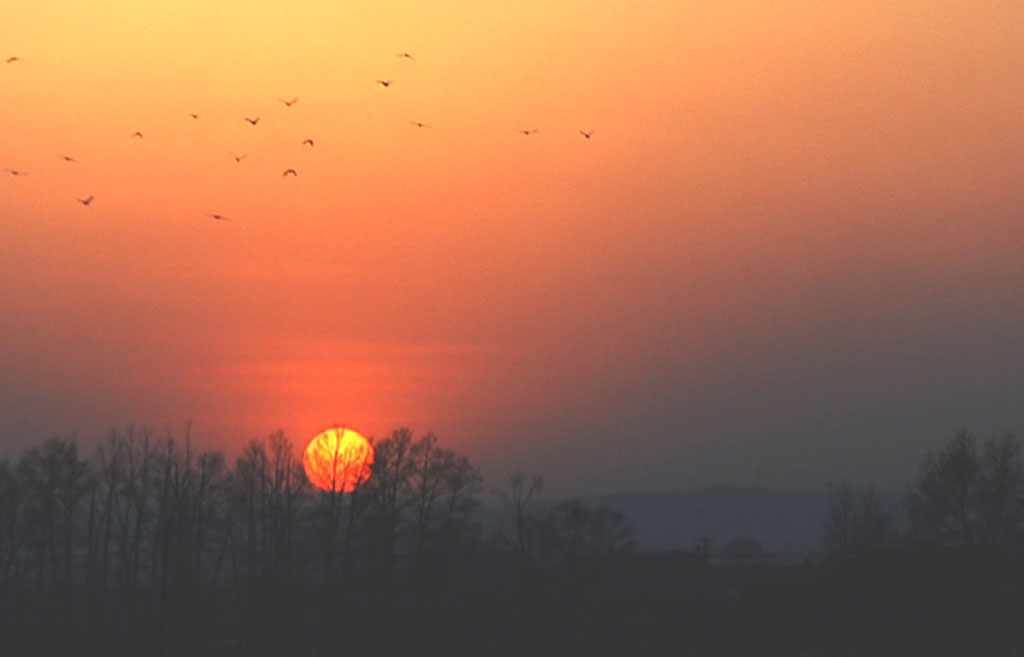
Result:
x=791 y=248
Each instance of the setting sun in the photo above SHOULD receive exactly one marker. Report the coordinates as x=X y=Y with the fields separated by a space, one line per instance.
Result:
x=338 y=459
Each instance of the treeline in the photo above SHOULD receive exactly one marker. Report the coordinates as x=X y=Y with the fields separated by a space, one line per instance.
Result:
x=148 y=545
x=967 y=496
x=939 y=570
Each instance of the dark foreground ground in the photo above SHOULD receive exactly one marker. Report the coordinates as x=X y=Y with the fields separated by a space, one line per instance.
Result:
x=898 y=603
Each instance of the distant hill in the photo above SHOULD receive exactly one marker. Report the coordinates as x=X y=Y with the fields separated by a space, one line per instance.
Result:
x=784 y=521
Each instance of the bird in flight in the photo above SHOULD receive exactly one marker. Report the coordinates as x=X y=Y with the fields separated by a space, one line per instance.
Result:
x=137 y=134
x=528 y=132
x=586 y=134
x=15 y=172
x=86 y=201
x=405 y=55
x=291 y=171
x=68 y=158
x=307 y=141
x=289 y=103
x=252 y=121
x=219 y=217
x=11 y=60
x=418 y=124
x=239 y=158
x=193 y=115
x=384 y=83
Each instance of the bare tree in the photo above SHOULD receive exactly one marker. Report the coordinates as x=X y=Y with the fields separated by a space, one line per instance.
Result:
x=942 y=502
x=120 y=524
x=521 y=488
x=444 y=488
x=10 y=524
x=1001 y=490
x=430 y=464
x=191 y=487
x=856 y=521
x=11 y=557
x=344 y=469
x=963 y=497
x=873 y=525
x=131 y=471
x=269 y=490
x=840 y=518
x=572 y=530
x=54 y=481
x=391 y=491
x=463 y=482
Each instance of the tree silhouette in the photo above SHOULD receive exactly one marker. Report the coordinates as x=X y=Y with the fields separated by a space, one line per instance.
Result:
x=54 y=480
x=1001 y=494
x=269 y=490
x=343 y=472
x=856 y=521
x=10 y=525
x=521 y=489
x=193 y=490
x=462 y=483
x=151 y=546
x=572 y=530
x=391 y=491
x=443 y=487
x=840 y=517
x=874 y=527
x=943 y=502
x=963 y=497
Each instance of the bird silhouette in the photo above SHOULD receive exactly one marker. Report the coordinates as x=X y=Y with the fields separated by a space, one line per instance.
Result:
x=587 y=134
x=137 y=134
x=239 y=158
x=405 y=55
x=193 y=115
x=11 y=60
x=85 y=201
x=68 y=158
x=289 y=103
x=291 y=171
x=16 y=172
x=219 y=217
x=307 y=141
x=384 y=83
x=528 y=132
x=253 y=121
x=418 y=124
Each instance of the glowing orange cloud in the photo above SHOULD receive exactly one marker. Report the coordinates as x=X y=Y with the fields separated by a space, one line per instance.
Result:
x=338 y=459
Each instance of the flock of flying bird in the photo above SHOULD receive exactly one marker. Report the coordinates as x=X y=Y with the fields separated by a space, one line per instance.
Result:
x=253 y=121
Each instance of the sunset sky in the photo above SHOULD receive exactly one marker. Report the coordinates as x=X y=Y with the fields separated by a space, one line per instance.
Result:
x=791 y=251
